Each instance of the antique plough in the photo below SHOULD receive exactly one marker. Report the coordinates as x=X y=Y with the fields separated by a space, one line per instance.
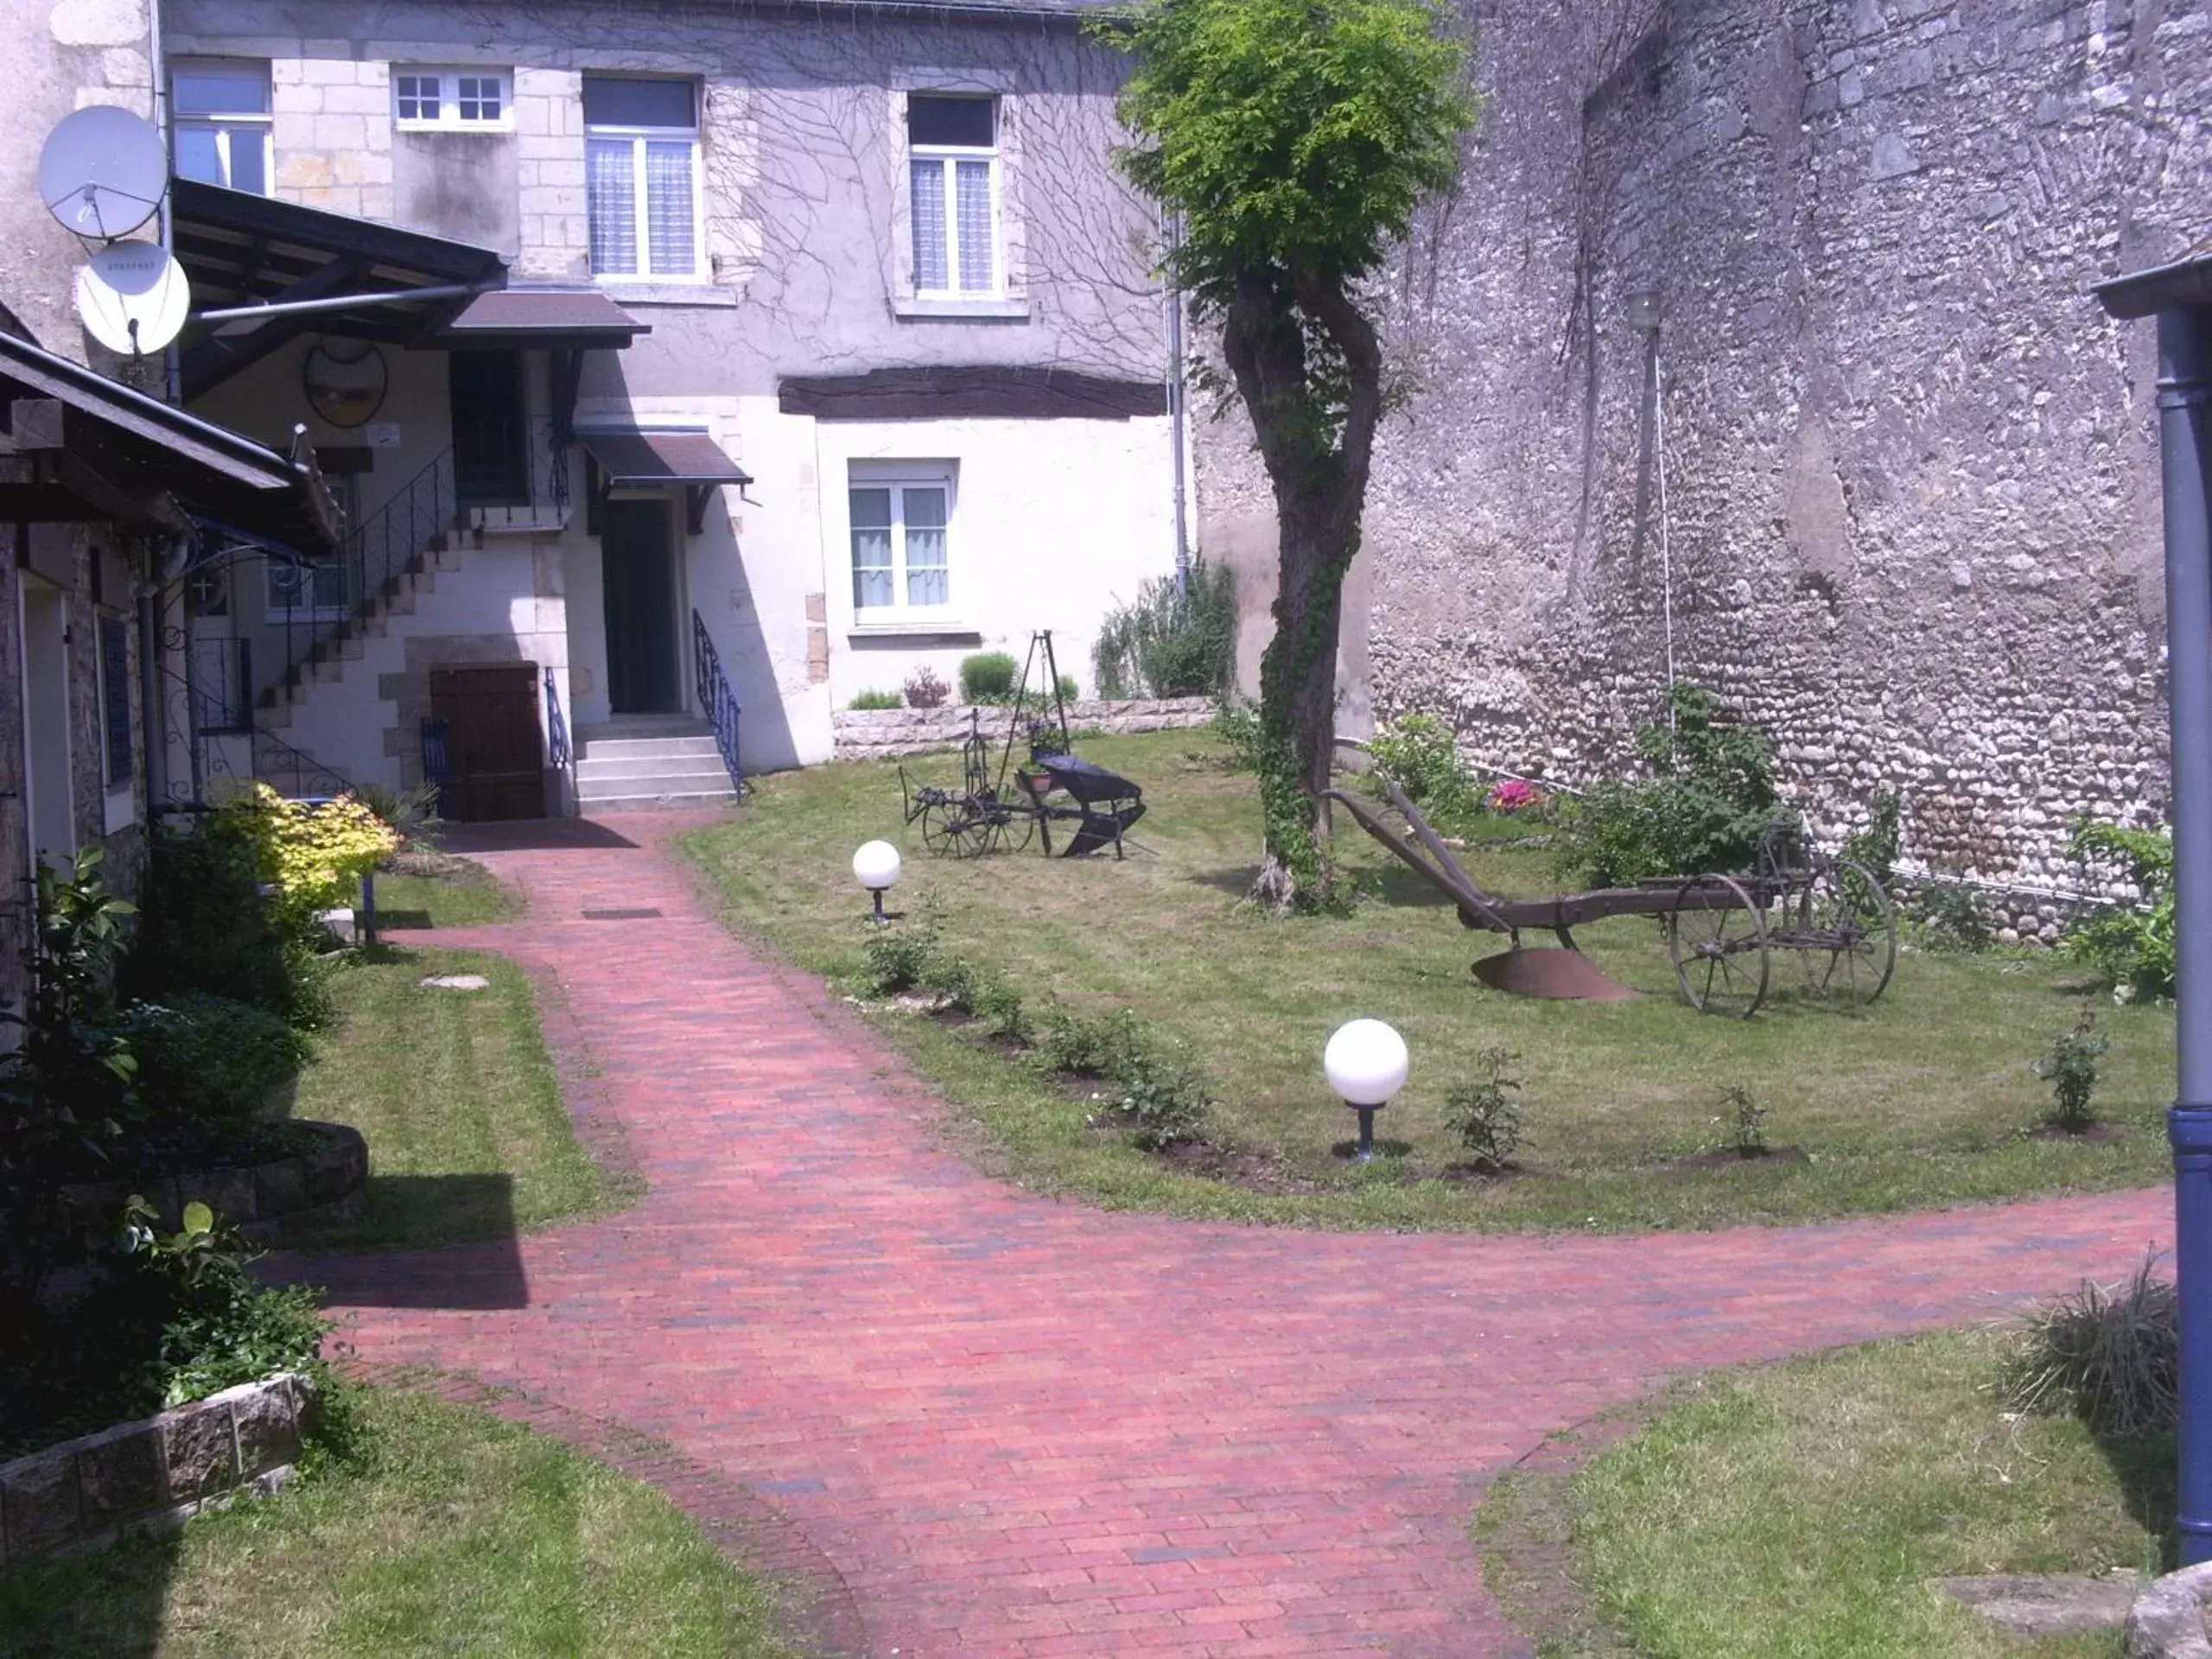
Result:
x=1722 y=930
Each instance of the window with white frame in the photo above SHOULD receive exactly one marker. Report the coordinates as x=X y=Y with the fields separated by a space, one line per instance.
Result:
x=641 y=148
x=901 y=524
x=457 y=99
x=953 y=181
x=300 y=591
x=219 y=113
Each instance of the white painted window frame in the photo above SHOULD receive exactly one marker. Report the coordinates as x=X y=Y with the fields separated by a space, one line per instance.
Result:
x=897 y=477
x=946 y=158
x=637 y=137
x=276 y=613
x=449 y=117
x=230 y=129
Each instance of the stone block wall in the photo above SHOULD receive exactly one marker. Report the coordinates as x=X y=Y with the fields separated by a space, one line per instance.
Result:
x=1909 y=513
x=159 y=1471
x=883 y=733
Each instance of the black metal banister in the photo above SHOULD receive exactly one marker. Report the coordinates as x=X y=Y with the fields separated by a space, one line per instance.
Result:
x=556 y=726
x=716 y=700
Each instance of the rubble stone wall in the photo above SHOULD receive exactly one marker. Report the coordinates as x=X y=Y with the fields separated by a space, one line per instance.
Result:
x=880 y=733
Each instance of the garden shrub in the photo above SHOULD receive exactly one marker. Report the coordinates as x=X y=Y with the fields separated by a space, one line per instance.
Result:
x=205 y=927
x=313 y=855
x=903 y=956
x=1421 y=753
x=1708 y=794
x=2070 y=1069
x=1000 y=1005
x=1068 y=690
x=1167 y=645
x=2111 y=1354
x=206 y=1062
x=2131 y=949
x=1085 y=1047
x=874 y=700
x=1163 y=1095
x=925 y=688
x=1950 y=915
x=1745 y=1119
x=1237 y=727
x=1483 y=1114
x=988 y=676
x=1876 y=845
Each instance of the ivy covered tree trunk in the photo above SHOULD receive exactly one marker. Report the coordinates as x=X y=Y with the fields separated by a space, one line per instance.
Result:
x=1278 y=342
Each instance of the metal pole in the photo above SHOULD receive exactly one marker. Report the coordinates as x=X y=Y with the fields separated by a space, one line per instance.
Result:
x=2185 y=447
x=340 y=302
x=1175 y=421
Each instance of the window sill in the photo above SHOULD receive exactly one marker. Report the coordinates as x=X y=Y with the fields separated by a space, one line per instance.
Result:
x=919 y=628
x=994 y=309
x=701 y=293
x=284 y=619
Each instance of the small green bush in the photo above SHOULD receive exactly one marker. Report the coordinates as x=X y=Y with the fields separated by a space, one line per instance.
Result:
x=2070 y=1069
x=2131 y=949
x=1876 y=844
x=903 y=956
x=1163 y=1095
x=1085 y=1047
x=1167 y=645
x=1745 y=1119
x=988 y=676
x=875 y=700
x=1483 y=1114
x=1951 y=916
x=1237 y=727
x=1069 y=689
x=1708 y=795
x=204 y=926
x=207 y=1062
x=2110 y=1355
x=1421 y=755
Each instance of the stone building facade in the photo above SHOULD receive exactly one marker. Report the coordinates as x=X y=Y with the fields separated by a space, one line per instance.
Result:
x=1832 y=260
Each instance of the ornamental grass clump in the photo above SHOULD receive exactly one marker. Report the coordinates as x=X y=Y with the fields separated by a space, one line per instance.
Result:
x=2109 y=1354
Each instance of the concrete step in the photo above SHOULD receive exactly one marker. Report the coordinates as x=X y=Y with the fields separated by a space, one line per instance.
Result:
x=647 y=748
x=723 y=797
x=681 y=780
x=598 y=766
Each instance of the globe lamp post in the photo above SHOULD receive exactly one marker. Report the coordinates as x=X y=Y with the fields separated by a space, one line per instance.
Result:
x=1366 y=1062
x=875 y=867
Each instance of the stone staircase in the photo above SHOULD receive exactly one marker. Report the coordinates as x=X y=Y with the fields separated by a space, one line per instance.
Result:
x=641 y=762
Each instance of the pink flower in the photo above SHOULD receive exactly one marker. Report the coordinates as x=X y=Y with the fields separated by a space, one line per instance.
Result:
x=1514 y=796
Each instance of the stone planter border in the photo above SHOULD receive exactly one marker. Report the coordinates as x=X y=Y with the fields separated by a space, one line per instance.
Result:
x=158 y=1472
x=261 y=1200
x=880 y=733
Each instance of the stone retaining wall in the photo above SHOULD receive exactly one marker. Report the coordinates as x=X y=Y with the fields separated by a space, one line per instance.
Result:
x=156 y=1472
x=879 y=734
x=323 y=1184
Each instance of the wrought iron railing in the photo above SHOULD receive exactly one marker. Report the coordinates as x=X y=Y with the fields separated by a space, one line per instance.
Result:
x=557 y=727
x=219 y=672
x=716 y=700
x=291 y=771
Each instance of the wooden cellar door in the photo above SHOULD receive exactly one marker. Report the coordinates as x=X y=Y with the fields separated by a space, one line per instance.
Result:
x=493 y=748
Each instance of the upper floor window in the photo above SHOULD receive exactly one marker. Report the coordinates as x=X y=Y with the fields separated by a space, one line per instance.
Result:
x=219 y=110
x=953 y=168
x=464 y=99
x=641 y=145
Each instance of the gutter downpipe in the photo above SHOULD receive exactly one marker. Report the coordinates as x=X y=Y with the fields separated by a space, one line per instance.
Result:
x=153 y=726
x=2185 y=451
x=1177 y=434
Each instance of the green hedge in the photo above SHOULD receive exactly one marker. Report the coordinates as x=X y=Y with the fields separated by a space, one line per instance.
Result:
x=208 y=1062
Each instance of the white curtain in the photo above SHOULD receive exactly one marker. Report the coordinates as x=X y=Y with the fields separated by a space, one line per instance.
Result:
x=932 y=274
x=926 y=575
x=669 y=235
x=973 y=187
x=871 y=519
x=610 y=191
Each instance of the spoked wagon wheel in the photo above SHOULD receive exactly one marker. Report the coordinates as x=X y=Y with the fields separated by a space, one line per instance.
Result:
x=1012 y=829
x=954 y=829
x=1716 y=937
x=1849 y=946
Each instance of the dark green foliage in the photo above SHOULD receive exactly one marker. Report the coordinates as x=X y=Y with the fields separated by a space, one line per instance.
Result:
x=1163 y=1095
x=875 y=700
x=1167 y=645
x=988 y=676
x=1067 y=688
x=2070 y=1069
x=1084 y=1047
x=2131 y=948
x=2110 y=1355
x=1745 y=1119
x=903 y=956
x=205 y=1062
x=1483 y=1114
x=1950 y=915
x=1876 y=845
x=206 y=927
x=1420 y=753
x=1707 y=797
x=402 y=809
x=1237 y=726
x=999 y=1005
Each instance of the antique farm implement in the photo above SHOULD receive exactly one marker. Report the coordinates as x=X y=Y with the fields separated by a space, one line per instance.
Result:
x=1723 y=932
x=1053 y=786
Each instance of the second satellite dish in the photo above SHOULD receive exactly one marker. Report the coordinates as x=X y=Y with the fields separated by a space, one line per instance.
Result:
x=102 y=171
x=133 y=297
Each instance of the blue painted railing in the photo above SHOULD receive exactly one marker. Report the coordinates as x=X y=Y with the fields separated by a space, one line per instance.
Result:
x=556 y=726
x=716 y=700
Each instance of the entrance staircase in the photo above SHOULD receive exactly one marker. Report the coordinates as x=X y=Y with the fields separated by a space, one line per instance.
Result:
x=643 y=762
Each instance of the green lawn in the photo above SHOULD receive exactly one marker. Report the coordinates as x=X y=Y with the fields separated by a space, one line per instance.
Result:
x=463 y=894
x=1805 y=1509
x=1924 y=1099
x=452 y=1532
x=468 y=1137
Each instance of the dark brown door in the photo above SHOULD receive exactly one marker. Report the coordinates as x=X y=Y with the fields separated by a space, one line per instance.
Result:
x=490 y=439
x=494 y=752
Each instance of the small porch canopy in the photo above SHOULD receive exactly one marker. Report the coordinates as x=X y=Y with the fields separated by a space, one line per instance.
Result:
x=77 y=447
x=408 y=289
x=634 y=458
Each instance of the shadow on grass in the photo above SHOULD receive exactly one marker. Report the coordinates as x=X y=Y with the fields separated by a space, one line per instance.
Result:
x=102 y=1603
x=2146 y=1468
x=527 y=835
x=476 y=1261
x=402 y=921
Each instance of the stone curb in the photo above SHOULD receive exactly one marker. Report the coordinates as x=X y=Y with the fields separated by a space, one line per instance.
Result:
x=2167 y=1621
x=881 y=734
x=158 y=1472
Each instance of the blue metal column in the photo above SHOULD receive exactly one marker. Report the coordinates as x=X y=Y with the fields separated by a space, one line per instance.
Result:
x=2184 y=373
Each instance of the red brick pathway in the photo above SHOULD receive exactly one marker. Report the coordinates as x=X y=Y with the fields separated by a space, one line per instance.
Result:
x=1016 y=1426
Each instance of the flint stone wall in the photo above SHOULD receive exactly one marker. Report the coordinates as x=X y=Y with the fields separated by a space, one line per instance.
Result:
x=881 y=734
x=1911 y=477
x=156 y=1472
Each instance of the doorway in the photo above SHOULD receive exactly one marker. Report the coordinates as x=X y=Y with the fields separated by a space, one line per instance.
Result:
x=50 y=808
x=495 y=758
x=491 y=435
x=637 y=543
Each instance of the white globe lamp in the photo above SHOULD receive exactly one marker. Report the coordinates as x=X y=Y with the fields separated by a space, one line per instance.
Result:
x=875 y=867
x=1366 y=1062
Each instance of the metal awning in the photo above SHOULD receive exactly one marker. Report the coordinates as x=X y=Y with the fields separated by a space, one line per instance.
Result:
x=78 y=447
x=545 y=317
x=633 y=458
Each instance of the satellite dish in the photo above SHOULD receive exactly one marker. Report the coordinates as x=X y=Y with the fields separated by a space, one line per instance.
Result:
x=103 y=171
x=133 y=297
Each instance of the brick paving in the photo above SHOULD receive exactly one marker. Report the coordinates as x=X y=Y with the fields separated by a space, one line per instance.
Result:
x=1008 y=1425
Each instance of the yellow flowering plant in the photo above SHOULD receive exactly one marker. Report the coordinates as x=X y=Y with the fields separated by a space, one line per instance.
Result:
x=314 y=853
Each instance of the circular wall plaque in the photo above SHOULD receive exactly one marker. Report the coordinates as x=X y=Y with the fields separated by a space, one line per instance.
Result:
x=345 y=390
